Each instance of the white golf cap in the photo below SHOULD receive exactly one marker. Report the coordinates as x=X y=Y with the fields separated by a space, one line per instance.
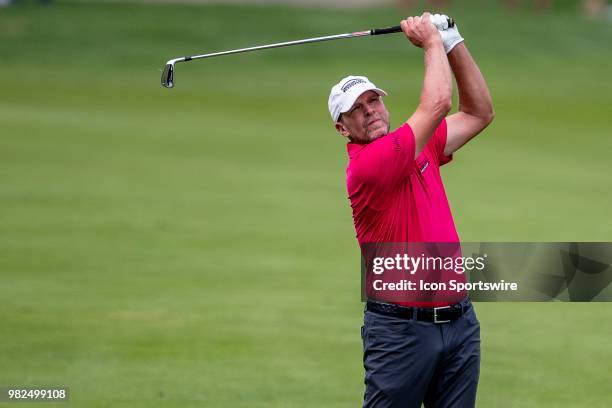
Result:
x=344 y=94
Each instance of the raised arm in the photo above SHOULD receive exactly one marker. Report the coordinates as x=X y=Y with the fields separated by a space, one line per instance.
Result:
x=475 y=105
x=435 y=102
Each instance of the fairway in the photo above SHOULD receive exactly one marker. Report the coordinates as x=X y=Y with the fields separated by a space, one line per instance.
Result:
x=194 y=247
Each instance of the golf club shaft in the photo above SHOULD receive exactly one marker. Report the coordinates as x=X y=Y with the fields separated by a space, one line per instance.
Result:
x=278 y=45
x=375 y=31
x=168 y=74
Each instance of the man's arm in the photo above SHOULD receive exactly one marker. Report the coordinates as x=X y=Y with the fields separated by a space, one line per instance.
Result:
x=475 y=105
x=436 y=95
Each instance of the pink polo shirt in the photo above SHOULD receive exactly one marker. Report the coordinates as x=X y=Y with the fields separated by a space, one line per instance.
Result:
x=396 y=198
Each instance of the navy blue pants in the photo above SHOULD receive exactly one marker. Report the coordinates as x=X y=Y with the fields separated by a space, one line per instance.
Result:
x=408 y=362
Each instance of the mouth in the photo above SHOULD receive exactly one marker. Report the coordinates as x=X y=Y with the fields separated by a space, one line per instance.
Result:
x=373 y=122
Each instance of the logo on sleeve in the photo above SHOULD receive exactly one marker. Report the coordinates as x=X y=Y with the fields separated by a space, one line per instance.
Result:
x=423 y=166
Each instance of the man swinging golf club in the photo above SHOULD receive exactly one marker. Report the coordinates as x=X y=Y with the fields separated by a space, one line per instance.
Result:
x=414 y=353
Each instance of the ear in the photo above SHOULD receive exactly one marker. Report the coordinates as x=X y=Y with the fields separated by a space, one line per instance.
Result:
x=342 y=129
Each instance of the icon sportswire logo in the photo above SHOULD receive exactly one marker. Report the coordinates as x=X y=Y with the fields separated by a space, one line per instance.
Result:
x=352 y=83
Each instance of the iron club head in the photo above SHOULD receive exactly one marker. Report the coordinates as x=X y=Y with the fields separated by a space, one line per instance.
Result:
x=167 y=78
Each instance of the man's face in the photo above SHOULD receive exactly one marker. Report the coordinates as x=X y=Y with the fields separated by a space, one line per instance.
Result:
x=366 y=121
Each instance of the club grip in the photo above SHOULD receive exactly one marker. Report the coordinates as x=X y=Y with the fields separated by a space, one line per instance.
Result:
x=389 y=30
x=397 y=29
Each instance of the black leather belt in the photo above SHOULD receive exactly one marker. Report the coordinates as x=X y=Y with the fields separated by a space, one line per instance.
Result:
x=443 y=314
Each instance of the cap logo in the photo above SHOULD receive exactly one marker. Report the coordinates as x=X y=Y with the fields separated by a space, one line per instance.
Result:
x=352 y=83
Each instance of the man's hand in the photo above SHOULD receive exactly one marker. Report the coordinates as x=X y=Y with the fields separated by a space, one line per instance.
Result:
x=421 y=31
x=450 y=35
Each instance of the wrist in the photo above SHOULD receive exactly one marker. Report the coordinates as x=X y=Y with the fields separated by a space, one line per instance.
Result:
x=453 y=50
x=433 y=42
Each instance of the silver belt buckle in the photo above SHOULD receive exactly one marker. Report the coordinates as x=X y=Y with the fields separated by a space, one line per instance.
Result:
x=436 y=314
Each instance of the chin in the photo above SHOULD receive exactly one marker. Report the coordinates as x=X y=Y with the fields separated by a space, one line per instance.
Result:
x=377 y=133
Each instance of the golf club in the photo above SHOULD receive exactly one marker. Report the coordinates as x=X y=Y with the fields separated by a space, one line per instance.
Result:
x=167 y=79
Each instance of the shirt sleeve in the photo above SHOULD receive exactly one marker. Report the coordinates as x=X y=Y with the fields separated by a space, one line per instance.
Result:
x=384 y=163
x=439 y=143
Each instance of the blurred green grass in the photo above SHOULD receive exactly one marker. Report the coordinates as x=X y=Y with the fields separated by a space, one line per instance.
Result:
x=194 y=246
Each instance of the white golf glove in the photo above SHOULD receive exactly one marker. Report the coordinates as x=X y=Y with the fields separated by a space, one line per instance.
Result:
x=450 y=36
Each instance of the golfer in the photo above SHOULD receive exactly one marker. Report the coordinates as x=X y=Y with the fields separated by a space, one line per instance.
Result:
x=414 y=353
